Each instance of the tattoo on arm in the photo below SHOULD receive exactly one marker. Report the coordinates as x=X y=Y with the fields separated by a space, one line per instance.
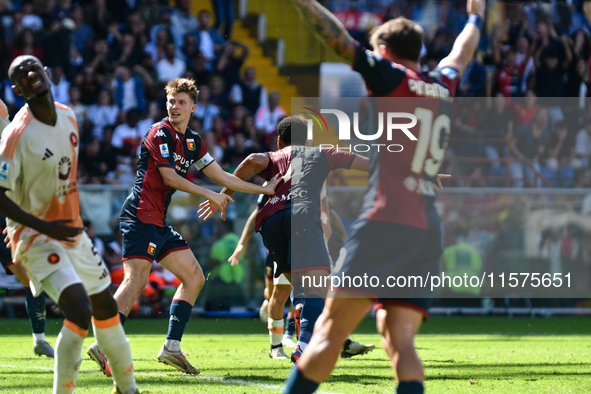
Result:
x=328 y=27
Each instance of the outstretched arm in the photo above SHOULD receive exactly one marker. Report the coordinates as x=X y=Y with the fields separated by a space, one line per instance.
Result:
x=465 y=45
x=328 y=27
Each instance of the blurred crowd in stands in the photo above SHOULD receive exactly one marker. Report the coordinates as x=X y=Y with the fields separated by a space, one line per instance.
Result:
x=109 y=61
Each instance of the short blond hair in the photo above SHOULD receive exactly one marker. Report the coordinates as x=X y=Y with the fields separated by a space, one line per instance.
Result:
x=182 y=85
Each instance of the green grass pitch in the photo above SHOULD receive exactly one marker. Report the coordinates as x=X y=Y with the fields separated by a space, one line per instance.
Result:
x=461 y=355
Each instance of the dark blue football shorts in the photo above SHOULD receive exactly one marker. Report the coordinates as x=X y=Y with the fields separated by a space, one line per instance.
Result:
x=148 y=241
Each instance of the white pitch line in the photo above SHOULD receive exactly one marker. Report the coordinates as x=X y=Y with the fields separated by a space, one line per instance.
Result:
x=238 y=382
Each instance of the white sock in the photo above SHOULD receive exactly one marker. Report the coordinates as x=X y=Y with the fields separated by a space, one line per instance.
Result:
x=39 y=337
x=276 y=329
x=115 y=346
x=173 y=345
x=67 y=358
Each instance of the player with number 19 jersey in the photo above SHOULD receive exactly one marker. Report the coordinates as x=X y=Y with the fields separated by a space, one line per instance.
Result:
x=399 y=230
x=402 y=184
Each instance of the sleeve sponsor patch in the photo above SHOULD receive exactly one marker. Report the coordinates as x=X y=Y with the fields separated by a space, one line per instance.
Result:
x=205 y=160
x=449 y=72
x=164 y=150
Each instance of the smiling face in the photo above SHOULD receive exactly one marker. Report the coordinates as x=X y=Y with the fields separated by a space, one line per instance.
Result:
x=30 y=78
x=180 y=106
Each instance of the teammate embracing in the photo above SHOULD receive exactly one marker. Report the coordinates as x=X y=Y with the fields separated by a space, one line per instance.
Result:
x=398 y=227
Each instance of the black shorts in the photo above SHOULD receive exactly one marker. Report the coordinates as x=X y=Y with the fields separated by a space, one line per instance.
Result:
x=308 y=248
x=390 y=250
x=148 y=241
x=276 y=232
x=269 y=266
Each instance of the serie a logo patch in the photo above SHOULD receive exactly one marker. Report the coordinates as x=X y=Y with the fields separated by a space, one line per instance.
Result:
x=151 y=249
x=191 y=143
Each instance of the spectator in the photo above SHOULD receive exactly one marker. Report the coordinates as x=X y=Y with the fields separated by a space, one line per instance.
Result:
x=526 y=108
x=551 y=66
x=149 y=11
x=249 y=92
x=578 y=80
x=30 y=20
x=510 y=75
x=147 y=72
x=561 y=148
x=83 y=32
x=157 y=48
x=134 y=25
x=209 y=40
x=103 y=114
x=528 y=145
x=231 y=62
x=170 y=67
x=59 y=85
x=205 y=111
x=197 y=65
x=61 y=10
x=128 y=90
x=94 y=162
x=224 y=12
x=219 y=96
x=583 y=143
x=218 y=130
x=213 y=148
x=183 y=18
x=165 y=23
x=249 y=129
x=25 y=45
x=189 y=48
x=234 y=123
x=235 y=154
x=98 y=17
x=267 y=118
x=127 y=49
x=90 y=86
x=80 y=110
x=98 y=57
x=498 y=126
x=128 y=136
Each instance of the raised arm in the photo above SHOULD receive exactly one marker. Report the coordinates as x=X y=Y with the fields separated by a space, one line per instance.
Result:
x=328 y=27
x=465 y=45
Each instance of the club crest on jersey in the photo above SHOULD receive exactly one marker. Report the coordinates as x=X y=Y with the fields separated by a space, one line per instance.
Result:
x=4 y=170
x=164 y=150
x=65 y=165
x=191 y=143
x=53 y=258
x=151 y=249
x=74 y=139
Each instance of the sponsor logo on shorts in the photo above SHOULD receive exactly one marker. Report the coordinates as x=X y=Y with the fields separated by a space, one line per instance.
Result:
x=53 y=258
x=191 y=143
x=74 y=139
x=4 y=170
x=164 y=150
x=151 y=249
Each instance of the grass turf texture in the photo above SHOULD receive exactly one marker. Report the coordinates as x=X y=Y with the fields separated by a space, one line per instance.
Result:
x=461 y=355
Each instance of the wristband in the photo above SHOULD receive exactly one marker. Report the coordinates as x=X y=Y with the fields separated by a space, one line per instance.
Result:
x=476 y=20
